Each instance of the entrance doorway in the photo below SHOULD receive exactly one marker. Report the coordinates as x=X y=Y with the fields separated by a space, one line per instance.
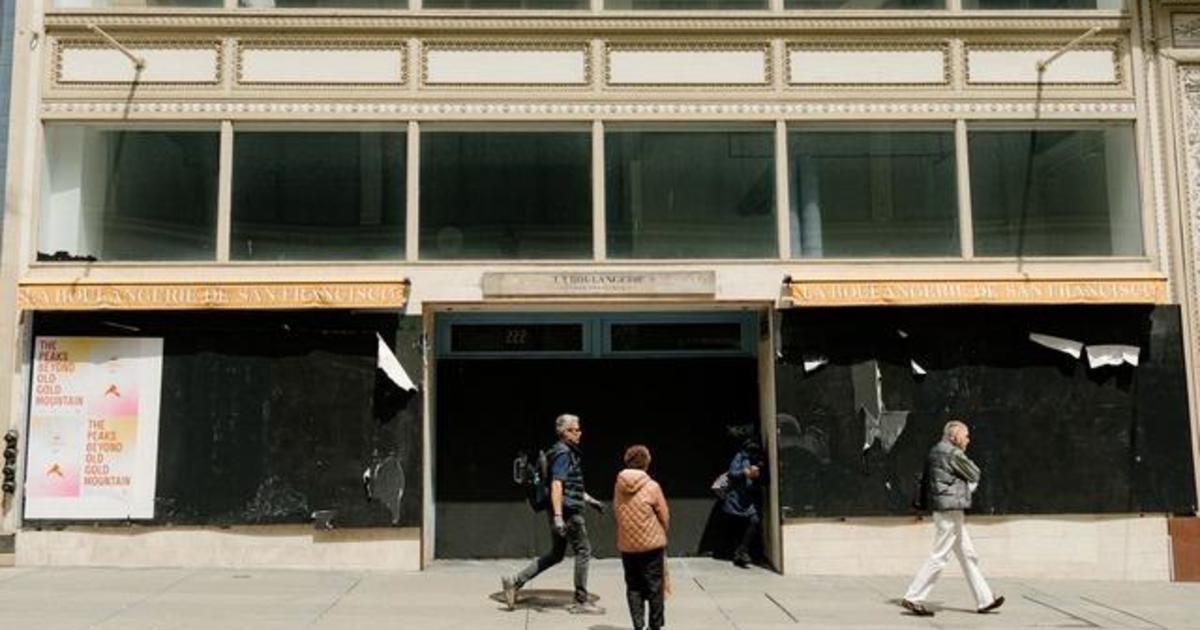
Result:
x=677 y=383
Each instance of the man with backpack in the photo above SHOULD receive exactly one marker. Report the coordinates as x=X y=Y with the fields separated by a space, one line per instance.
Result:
x=567 y=500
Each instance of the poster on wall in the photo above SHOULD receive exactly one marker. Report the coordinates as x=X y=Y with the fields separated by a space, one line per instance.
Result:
x=93 y=428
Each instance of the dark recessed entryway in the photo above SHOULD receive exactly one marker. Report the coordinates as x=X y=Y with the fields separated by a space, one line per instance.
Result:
x=681 y=406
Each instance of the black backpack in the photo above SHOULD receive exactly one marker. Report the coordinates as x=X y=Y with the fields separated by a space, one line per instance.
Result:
x=533 y=474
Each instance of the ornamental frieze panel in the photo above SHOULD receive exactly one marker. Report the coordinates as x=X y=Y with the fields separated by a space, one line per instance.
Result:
x=688 y=65
x=869 y=64
x=83 y=63
x=510 y=64
x=1094 y=64
x=1185 y=28
x=322 y=63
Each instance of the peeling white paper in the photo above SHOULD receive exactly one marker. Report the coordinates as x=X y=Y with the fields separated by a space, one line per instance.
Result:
x=916 y=367
x=1069 y=346
x=878 y=422
x=1113 y=354
x=812 y=362
x=387 y=361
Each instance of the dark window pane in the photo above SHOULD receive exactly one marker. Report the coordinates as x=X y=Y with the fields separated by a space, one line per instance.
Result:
x=685 y=5
x=874 y=193
x=117 y=194
x=318 y=195
x=506 y=4
x=676 y=337
x=864 y=4
x=516 y=338
x=104 y=4
x=697 y=194
x=1042 y=4
x=505 y=195
x=324 y=4
x=1051 y=192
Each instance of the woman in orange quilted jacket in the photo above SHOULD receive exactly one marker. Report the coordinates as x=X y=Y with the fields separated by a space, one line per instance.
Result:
x=642 y=520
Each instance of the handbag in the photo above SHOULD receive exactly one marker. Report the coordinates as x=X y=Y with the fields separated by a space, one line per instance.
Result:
x=720 y=485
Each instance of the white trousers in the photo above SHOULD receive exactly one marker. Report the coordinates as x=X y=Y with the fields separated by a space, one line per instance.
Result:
x=951 y=537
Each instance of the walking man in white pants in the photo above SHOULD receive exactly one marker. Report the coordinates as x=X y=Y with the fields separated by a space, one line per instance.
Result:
x=950 y=478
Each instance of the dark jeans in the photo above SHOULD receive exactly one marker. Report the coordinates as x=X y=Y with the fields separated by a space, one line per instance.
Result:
x=750 y=529
x=644 y=585
x=577 y=538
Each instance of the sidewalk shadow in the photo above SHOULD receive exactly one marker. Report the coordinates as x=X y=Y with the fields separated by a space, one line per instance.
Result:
x=541 y=599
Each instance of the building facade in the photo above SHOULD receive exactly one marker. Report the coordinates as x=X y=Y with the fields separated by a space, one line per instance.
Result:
x=830 y=225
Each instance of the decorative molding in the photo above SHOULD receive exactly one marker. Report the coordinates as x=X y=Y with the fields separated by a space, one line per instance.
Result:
x=1046 y=49
x=681 y=49
x=999 y=291
x=210 y=295
x=1185 y=28
x=786 y=24
x=435 y=46
x=63 y=45
x=938 y=46
x=1026 y=109
x=398 y=46
x=1189 y=102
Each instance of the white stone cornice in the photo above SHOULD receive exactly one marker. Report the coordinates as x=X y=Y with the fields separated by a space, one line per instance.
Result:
x=773 y=24
x=584 y=110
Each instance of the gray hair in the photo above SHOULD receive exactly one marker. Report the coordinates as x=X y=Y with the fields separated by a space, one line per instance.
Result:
x=953 y=427
x=565 y=420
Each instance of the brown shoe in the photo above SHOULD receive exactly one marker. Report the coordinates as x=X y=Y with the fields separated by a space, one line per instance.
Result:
x=916 y=608
x=996 y=603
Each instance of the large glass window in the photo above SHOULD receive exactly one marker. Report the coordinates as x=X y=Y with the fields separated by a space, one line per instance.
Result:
x=318 y=195
x=128 y=194
x=686 y=5
x=1041 y=4
x=324 y=4
x=506 y=195
x=690 y=193
x=506 y=4
x=865 y=4
x=873 y=193
x=1055 y=192
x=105 y=4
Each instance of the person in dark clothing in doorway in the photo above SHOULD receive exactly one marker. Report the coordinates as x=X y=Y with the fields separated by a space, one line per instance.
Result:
x=567 y=499
x=743 y=500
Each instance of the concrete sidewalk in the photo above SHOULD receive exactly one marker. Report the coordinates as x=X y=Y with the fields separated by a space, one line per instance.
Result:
x=708 y=595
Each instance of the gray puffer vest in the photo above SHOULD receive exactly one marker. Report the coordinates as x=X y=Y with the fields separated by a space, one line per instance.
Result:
x=946 y=489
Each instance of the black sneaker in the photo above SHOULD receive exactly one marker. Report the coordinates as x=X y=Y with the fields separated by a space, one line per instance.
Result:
x=996 y=603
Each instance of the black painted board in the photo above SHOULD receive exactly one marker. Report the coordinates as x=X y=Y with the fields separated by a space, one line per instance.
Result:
x=488 y=410
x=1052 y=435
x=267 y=417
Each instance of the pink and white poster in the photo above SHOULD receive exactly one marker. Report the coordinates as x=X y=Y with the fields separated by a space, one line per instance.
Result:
x=93 y=428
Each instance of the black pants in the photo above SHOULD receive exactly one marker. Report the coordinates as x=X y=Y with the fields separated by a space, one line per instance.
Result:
x=750 y=528
x=644 y=585
x=576 y=536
